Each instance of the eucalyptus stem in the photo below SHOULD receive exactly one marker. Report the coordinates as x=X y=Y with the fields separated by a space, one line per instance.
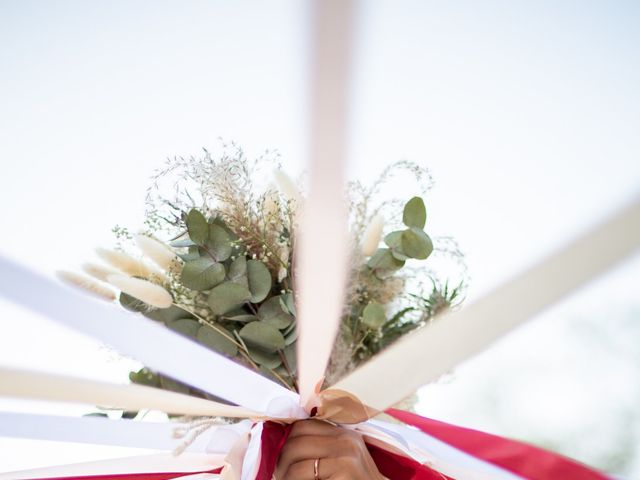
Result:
x=283 y=381
x=245 y=353
x=283 y=357
x=212 y=325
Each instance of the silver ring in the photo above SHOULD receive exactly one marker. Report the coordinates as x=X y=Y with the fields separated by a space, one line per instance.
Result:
x=316 y=469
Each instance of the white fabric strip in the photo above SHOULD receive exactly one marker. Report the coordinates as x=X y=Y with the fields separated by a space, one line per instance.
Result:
x=188 y=462
x=443 y=457
x=95 y=430
x=48 y=386
x=432 y=351
x=323 y=242
x=162 y=349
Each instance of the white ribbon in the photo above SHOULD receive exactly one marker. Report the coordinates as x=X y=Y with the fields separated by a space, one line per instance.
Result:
x=322 y=243
x=189 y=462
x=154 y=345
x=220 y=440
x=425 y=355
x=46 y=386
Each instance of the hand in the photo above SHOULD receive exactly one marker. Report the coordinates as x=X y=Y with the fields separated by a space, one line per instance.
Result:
x=342 y=453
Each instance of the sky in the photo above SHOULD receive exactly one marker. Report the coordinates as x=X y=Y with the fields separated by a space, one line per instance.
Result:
x=526 y=113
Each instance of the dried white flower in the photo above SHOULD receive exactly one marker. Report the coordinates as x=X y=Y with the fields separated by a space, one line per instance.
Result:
x=284 y=252
x=282 y=274
x=158 y=252
x=101 y=272
x=148 y=292
x=372 y=236
x=87 y=283
x=271 y=208
x=286 y=186
x=129 y=265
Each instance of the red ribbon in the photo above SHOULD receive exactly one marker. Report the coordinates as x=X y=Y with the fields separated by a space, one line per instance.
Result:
x=520 y=458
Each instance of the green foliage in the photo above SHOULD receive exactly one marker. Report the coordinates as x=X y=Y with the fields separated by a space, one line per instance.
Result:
x=227 y=296
x=166 y=315
x=384 y=264
x=415 y=213
x=263 y=336
x=173 y=386
x=259 y=280
x=235 y=289
x=202 y=274
x=218 y=243
x=132 y=303
x=185 y=326
x=145 y=377
x=216 y=341
x=273 y=313
x=416 y=244
x=198 y=227
x=238 y=269
x=373 y=315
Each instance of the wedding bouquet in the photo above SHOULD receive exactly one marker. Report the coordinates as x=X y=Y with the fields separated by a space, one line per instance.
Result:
x=216 y=263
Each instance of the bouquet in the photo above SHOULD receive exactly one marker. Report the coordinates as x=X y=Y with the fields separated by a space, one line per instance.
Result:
x=216 y=262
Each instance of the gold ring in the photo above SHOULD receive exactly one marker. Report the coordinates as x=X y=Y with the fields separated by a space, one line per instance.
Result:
x=316 y=469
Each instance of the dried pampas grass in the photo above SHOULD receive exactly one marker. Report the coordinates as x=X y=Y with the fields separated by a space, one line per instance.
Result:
x=372 y=236
x=130 y=265
x=158 y=252
x=87 y=284
x=287 y=187
x=143 y=290
x=101 y=272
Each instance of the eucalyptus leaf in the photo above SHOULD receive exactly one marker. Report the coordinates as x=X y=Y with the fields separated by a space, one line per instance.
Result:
x=216 y=341
x=242 y=318
x=172 y=385
x=373 y=316
x=197 y=227
x=291 y=337
x=416 y=243
x=166 y=315
x=288 y=303
x=132 y=303
x=185 y=326
x=237 y=269
x=263 y=336
x=384 y=263
x=415 y=213
x=289 y=329
x=227 y=296
x=266 y=360
x=144 y=377
x=273 y=313
x=290 y=353
x=394 y=241
x=202 y=274
x=183 y=243
x=191 y=255
x=259 y=280
x=219 y=243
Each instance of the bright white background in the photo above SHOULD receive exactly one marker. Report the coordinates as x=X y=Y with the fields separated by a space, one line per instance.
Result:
x=527 y=114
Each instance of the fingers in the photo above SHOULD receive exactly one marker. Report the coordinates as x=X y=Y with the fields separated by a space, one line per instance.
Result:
x=306 y=447
x=313 y=439
x=304 y=470
x=313 y=427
